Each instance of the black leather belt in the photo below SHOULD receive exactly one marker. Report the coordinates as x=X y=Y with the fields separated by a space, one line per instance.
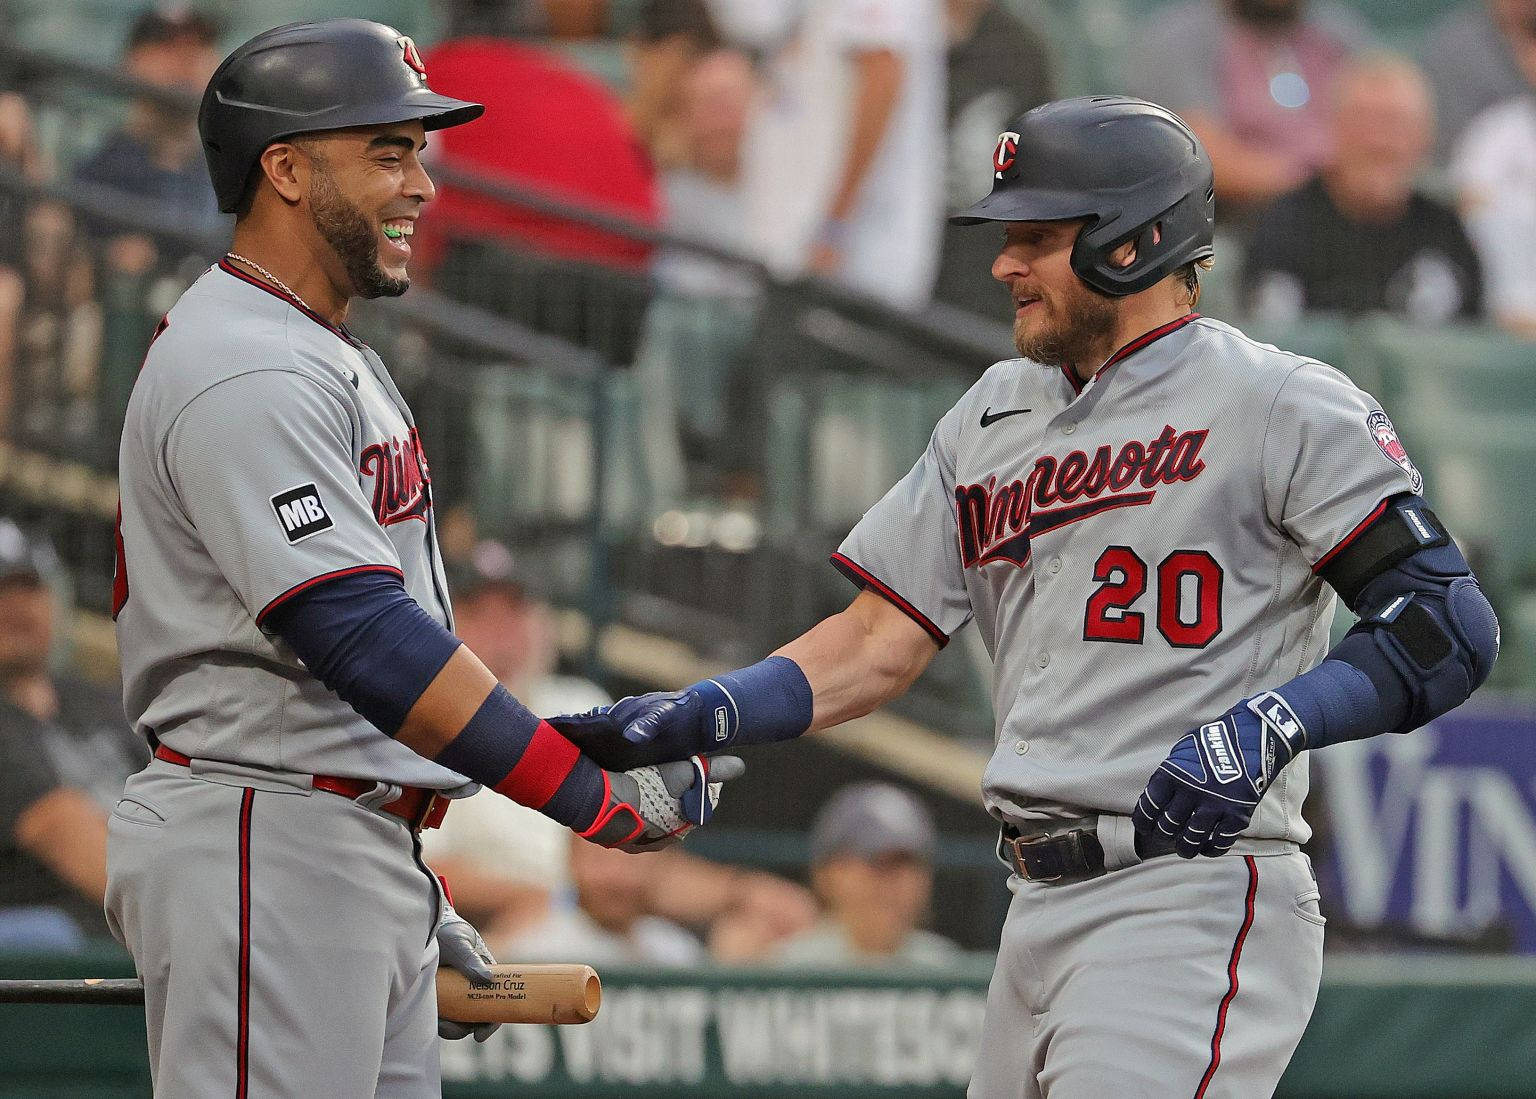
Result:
x=1071 y=856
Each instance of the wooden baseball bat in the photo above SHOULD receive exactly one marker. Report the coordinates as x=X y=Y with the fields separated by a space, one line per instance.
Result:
x=519 y=994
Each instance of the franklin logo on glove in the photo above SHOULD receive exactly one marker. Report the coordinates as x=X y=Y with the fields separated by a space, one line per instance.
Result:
x=1218 y=749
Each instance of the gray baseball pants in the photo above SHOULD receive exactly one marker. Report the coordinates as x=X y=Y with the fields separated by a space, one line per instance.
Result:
x=1169 y=978
x=285 y=938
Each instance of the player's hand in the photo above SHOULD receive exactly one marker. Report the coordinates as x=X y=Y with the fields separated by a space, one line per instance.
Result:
x=654 y=807
x=459 y=946
x=653 y=728
x=1204 y=794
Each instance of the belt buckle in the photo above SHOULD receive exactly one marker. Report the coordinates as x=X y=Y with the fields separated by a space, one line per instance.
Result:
x=1019 y=843
x=434 y=807
x=1075 y=854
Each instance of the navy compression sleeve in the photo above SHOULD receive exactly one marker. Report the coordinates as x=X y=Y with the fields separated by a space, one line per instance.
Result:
x=365 y=638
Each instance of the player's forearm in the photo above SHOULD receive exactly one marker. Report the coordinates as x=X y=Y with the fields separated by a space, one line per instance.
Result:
x=367 y=640
x=878 y=76
x=853 y=665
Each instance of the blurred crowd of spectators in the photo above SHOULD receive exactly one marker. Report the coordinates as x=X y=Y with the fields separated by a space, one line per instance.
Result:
x=818 y=138
x=824 y=139
x=536 y=892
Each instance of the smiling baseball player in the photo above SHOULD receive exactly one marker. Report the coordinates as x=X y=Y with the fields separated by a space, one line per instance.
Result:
x=283 y=621
x=1148 y=516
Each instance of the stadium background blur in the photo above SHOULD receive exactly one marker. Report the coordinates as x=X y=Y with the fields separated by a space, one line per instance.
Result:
x=656 y=387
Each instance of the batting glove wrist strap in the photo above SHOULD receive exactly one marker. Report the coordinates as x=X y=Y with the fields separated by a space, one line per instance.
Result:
x=653 y=807
x=767 y=702
x=1205 y=793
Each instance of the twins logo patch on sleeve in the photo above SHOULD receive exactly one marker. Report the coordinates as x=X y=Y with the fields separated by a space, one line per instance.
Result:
x=301 y=513
x=1386 y=438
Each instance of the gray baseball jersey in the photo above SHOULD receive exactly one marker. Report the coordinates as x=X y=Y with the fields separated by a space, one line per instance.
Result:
x=263 y=452
x=1139 y=552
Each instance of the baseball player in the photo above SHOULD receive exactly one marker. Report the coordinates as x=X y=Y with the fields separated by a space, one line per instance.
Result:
x=283 y=623
x=1148 y=516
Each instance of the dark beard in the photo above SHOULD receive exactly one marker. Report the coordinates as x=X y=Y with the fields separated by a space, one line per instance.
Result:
x=351 y=236
x=1088 y=318
x=1268 y=15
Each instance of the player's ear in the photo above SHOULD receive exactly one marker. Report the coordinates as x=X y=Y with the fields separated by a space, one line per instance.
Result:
x=1125 y=255
x=286 y=169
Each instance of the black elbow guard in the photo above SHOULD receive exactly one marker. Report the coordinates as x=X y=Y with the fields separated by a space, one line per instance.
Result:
x=1427 y=636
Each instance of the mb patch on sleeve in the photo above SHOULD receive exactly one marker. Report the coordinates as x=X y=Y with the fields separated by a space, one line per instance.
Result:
x=1386 y=438
x=301 y=513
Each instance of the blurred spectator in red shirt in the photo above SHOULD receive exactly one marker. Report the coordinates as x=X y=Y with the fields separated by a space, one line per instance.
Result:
x=549 y=127
x=1254 y=79
x=1359 y=237
x=1471 y=57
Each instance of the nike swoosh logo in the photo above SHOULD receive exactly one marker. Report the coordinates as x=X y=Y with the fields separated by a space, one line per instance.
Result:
x=989 y=418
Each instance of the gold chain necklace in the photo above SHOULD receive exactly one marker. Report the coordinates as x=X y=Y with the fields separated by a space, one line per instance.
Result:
x=270 y=277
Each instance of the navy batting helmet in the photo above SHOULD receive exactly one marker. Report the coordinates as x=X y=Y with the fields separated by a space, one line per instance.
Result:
x=305 y=77
x=1125 y=165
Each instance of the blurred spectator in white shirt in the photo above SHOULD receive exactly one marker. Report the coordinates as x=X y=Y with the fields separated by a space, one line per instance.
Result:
x=1495 y=172
x=1254 y=79
x=668 y=39
x=504 y=861
x=608 y=923
x=1471 y=59
x=695 y=342
x=872 y=848
x=510 y=867
x=1360 y=237
x=843 y=164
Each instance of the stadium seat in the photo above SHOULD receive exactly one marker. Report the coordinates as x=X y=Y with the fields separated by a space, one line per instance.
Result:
x=1469 y=370
x=1329 y=338
x=1464 y=401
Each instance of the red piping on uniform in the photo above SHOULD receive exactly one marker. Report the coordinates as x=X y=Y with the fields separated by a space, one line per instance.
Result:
x=1129 y=349
x=864 y=578
x=312 y=581
x=243 y=1002
x=226 y=266
x=1237 y=953
x=1072 y=379
x=1322 y=562
x=1141 y=341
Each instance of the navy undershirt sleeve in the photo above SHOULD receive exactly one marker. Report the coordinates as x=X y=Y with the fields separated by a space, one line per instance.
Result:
x=365 y=638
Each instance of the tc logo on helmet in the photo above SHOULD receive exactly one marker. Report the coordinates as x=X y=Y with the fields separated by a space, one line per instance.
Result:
x=1006 y=152
x=412 y=58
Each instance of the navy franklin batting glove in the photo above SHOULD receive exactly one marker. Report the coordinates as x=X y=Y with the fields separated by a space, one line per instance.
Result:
x=1203 y=795
x=599 y=733
x=768 y=702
